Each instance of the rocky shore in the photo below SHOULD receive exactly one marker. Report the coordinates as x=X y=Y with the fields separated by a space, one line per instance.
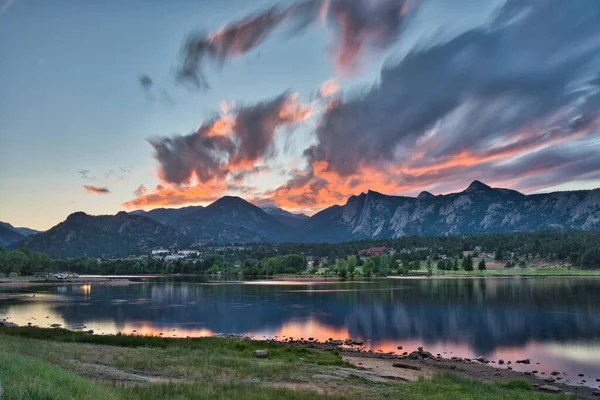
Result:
x=420 y=362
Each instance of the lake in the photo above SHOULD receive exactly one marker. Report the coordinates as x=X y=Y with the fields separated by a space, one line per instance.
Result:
x=553 y=321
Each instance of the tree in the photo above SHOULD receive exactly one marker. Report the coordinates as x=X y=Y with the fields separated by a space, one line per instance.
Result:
x=481 y=266
x=455 y=264
x=368 y=268
x=429 y=267
x=352 y=265
x=499 y=255
x=467 y=263
x=342 y=267
x=442 y=266
x=591 y=258
x=416 y=265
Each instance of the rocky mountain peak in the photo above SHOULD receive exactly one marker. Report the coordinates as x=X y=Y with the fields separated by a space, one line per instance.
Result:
x=478 y=187
x=424 y=195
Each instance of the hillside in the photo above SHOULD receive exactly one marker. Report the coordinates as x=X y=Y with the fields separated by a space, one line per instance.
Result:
x=94 y=236
x=9 y=236
x=477 y=209
x=227 y=220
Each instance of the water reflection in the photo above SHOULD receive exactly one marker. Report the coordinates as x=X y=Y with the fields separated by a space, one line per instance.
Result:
x=556 y=321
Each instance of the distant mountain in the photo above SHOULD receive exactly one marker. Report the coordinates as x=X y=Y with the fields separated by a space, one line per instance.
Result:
x=477 y=209
x=22 y=231
x=8 y=236
x=86 y=235
x=371 y=215
x=285 y=217
x=228 y=220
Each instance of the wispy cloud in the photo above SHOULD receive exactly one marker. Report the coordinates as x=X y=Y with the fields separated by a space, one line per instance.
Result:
x=96 y=190
x=5 y=5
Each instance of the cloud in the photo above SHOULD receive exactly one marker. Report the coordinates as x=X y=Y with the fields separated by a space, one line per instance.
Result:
x=146 y=82
x=195 y=167
x=359 y=23
x=471 y=91
x=172 y=195
x=85 y=174
x=513 y=103
x=5 y=5
x=140 y=191
x=226 y=143
x=96 y=190
x=329 y=88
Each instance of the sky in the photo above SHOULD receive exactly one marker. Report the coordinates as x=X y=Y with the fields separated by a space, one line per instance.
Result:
x=112 y=105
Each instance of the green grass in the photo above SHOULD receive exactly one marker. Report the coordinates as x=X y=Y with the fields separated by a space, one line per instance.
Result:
x=516 y=271
x=454 y=387
x=38 y=363
x=31 y=379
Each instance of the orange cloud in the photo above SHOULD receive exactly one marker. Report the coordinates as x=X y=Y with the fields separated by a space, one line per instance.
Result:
x=176 y=195
x=329 y=88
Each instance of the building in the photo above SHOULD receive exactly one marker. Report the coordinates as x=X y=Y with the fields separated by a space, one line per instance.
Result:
x=188 y=252
x=160 y=252
x=374 y=251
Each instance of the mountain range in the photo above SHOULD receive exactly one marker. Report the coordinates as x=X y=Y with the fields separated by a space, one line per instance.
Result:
x=372 y=215
x=9 y=234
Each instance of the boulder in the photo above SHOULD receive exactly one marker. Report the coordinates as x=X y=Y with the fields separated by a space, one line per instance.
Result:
x=525 y=361
x=55 y=325
x=399 y=347
x=261 y=353
x=596 y=393
x=554 y=373
x=500 y=361
x=420 y=348
x=550 y=389
x=8 y=324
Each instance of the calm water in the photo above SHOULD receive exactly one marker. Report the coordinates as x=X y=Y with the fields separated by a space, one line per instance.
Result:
x=554 y=322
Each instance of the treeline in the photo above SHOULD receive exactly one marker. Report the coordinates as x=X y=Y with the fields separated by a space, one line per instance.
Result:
x=580 y=249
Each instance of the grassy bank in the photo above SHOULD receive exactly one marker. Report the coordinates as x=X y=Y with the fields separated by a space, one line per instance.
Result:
x=58 y=364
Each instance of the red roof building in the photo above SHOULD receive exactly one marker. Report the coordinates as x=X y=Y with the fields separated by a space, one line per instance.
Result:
x=374 y=251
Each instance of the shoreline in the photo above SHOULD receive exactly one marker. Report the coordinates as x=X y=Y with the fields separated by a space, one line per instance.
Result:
x=24 y=283
x=410 y=366
x=124 y=280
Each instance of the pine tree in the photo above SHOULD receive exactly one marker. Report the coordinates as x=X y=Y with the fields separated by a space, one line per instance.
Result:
x=481 y=265
x=468 y=263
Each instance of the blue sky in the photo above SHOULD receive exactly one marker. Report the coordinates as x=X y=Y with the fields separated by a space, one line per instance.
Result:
x=71 y=99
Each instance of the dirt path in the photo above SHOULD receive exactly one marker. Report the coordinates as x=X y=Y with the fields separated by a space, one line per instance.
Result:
x=386 y=369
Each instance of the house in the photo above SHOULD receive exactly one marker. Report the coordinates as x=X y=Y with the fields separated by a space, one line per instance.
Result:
x=159 y=252
x=189 y=252
x=374 y=251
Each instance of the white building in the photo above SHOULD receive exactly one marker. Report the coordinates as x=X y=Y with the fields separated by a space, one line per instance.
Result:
x=159 y=252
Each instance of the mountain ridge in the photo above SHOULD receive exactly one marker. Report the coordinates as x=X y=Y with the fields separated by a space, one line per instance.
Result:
x=371 y=215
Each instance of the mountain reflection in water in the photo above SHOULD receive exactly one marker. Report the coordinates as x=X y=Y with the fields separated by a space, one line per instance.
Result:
x=556 y=320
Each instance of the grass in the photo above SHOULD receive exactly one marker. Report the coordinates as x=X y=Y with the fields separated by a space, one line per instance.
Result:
x=516 y=271
x=41 y=364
